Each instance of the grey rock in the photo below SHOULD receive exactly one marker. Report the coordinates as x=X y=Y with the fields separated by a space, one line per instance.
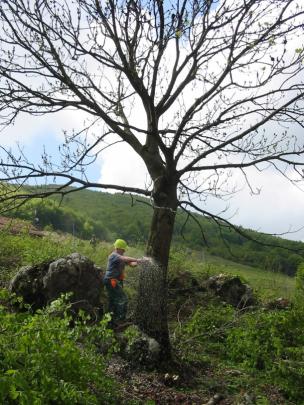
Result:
x=232 y=290
x=140 y=349
x=215 y=399
x=40 y=284
x=28 y=284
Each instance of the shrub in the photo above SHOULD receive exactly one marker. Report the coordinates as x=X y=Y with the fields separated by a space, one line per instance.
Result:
x=272 y=342
x=44 y=360
x=205 y=332
x=300 y=281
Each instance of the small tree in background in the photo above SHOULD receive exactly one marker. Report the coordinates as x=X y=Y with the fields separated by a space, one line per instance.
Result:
x=212 y=82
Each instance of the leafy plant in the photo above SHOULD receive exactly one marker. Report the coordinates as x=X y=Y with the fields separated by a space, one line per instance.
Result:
x=300 y=280
x=205 y=332
x=272 y=343
x=44 y=360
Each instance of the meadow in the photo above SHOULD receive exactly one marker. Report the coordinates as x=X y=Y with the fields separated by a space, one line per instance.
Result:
x=258 y=353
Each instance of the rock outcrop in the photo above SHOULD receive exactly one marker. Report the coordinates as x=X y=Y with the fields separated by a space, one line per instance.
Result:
x=40 y=284
x=232 y=290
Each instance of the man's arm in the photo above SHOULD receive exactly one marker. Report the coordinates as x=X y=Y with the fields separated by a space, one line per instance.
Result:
x=129 y=260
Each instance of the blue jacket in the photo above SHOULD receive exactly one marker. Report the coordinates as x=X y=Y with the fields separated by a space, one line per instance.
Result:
x=115 y=267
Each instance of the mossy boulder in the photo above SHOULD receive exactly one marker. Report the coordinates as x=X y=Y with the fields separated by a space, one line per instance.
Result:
x=42 y=283
x=232 y=290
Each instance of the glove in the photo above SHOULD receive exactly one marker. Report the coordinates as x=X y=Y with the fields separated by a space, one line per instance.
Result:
x=113 y=282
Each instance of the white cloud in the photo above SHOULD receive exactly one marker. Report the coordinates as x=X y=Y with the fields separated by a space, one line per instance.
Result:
x=277 y=209
x=28 y=128
x=121 y=166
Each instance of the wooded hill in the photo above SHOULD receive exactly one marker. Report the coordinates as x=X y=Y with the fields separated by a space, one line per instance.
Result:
x=109 y=216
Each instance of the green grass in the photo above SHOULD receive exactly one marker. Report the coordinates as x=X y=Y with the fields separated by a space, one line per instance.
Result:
x=103 y=209
x=20 y=250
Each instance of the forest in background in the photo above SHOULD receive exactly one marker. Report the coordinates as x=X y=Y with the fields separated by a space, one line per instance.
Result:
x=108 y=216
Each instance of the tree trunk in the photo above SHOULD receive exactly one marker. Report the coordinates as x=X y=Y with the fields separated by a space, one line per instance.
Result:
x=151 y=312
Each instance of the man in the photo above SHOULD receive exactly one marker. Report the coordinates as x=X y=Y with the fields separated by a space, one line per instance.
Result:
x=93 y=241
x=113 y=281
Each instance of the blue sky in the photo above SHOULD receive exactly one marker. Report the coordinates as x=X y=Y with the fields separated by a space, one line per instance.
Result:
x=49 y=142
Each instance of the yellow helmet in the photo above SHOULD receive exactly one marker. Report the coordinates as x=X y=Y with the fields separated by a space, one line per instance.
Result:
x=120 y=244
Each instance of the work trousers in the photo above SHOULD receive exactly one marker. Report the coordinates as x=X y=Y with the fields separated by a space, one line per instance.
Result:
x=118 y=301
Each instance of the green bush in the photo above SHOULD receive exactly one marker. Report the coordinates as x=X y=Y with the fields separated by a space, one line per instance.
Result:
x=43 y=360
x=273 y=343
x=205 y=332
x=300 y=281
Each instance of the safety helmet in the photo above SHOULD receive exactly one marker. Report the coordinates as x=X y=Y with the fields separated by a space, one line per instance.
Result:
x=120 y=244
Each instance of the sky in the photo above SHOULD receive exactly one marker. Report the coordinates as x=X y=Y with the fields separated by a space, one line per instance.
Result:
x=276 y=209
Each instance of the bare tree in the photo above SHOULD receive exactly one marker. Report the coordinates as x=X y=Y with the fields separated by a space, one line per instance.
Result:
x=209 y=79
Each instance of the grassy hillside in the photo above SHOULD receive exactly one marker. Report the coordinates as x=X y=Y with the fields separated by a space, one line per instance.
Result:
x=22 y=249
x=258 y=352
x=109 y=216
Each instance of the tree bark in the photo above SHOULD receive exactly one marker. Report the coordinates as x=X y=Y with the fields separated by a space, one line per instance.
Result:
x=151 y=312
